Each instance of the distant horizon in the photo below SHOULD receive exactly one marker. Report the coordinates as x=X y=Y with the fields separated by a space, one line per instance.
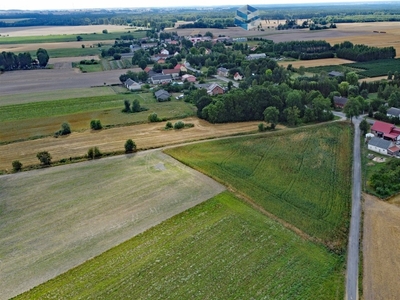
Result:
x=41 y=5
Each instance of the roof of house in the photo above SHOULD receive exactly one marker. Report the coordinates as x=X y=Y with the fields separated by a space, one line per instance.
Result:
x=382 y=127
x=340 y=100
x=161 y=93
x=221 y=69
x=237 y=74
x=170 y=71
x=394 y=149
x=335 y=74
x=256 y=56
x=161 y=77
x=213 y=86
x=129 y=82
x=393 y=111
x=147 y=69
x=380 y=143
x=203 y=85
x=188 y=76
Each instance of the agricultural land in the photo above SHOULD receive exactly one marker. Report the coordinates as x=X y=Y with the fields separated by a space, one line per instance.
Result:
x=381 y=244
x=47 y=229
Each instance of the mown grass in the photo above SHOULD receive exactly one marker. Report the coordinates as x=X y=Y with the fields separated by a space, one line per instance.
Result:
x=57 y=38
x=71 y=52
x=302 y=176
x=220 y=249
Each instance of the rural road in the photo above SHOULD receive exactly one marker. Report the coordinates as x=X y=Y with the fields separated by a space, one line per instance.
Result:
x=354 y=236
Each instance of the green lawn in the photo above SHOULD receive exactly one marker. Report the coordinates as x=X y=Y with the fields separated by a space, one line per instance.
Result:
x=301 y=176
x=221 y=249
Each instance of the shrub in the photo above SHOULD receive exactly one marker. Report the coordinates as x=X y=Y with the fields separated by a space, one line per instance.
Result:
x=94 y=152
x=179 y=125
x=153 y=118
x=130 y=146
x=168 y=125
x=261 y=127
x=96 y=125
x=65 y=129
x=44 y=157
x=17 y=165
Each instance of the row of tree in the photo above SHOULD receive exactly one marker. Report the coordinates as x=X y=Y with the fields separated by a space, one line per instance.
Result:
x=10 y=61
x=362 y=53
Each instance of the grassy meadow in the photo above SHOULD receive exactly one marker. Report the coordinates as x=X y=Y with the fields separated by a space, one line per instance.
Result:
x=220 y=249
x=26 y=120
x=302 y=176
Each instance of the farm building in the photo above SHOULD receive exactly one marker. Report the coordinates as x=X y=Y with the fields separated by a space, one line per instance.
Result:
x=157 y=79
x=162 y=95
x=386 y=131
x=382 y=146
x=393 y=112
x=132 y=85
x=340 y=102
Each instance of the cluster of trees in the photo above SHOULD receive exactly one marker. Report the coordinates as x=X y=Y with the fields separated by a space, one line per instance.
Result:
x=362 y=53
x=141 y=76
x=386 y=180
x=11 y=61
x=210 y=23
x=135 y=107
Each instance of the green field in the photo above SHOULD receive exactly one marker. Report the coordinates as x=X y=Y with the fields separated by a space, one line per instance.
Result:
x=70 y=52
x=301 y=176
x=56 y=218
x=376 y=68
x=221 y=249
x=37 y=119
x=68 y=37
x=105 y=65
x=55 y=95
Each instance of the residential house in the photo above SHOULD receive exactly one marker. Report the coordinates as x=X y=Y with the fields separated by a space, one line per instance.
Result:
x=393 y=112
x=180 y=67
x=256 y=56
x=172 y=72
x=148 y=45
x=207 y=52
x=164 y=51
x=160 y=78
x=215 y=89
x=132 y=85
x=339 y=102
x=237 y=76
x=382 y=146
x=189 y=78
x=386 y=131
x=162 y=95
x=223 y=72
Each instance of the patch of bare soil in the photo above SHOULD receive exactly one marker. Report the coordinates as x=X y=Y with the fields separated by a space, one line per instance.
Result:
x=381 y=249
x=146 y=136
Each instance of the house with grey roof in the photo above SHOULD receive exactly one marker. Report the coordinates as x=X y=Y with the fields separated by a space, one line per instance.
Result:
x=160 y=78
x=222 y=72
x=256 y=56
x=162 y=95
x=393 y=112
x=132 y=85
x=339 y=102
x=335 y=74
x=382 y=146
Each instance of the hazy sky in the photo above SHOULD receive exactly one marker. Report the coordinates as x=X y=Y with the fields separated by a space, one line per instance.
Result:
x=75 y=4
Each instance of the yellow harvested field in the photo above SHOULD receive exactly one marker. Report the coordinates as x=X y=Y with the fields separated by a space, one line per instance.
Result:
x=315 y=62
x=381 y=249
x=371 y=79
x=48 y=30
x=146 y=136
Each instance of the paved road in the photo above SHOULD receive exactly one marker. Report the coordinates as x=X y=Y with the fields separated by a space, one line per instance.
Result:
x=354 y=236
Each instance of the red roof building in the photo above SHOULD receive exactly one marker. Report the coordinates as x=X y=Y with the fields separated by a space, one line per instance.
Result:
x=385 y=130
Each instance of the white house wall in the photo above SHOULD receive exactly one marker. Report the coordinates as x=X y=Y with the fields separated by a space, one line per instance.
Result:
x=377 y=149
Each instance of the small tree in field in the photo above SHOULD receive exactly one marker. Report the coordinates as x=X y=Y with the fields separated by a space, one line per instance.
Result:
x=65 y=129
x=130 y=146
x=261 y=127
x=94 y=152
x=95 y=125
x=17 y=165
x=153 y=118
x=44 y=157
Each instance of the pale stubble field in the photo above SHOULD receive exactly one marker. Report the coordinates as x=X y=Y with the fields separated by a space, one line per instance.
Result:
x=56 y=218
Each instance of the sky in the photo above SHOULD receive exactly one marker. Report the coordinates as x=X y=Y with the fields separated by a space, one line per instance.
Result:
x=75 y=4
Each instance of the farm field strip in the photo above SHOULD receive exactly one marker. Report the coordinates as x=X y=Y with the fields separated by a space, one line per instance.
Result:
x=57 y=218
x=315 y=62
x=55 y=95
x=281 y=180
x=146 y=136
x=221 y=249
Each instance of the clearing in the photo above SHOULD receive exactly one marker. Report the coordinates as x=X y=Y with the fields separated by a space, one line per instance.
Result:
x=146 y=136
x=381 y=249
x=57 y=218
x=220 y=249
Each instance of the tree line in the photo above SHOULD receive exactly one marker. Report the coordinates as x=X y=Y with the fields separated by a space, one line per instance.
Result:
x=22 y=61
x=362 y=53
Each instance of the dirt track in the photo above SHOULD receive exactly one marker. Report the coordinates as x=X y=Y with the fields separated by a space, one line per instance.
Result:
x=381 y=250
x=145 y=136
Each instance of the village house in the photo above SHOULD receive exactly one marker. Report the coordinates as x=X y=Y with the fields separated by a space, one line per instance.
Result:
x=339 y=102
x=148 y=45
x=212 y=88
x=180 y=67
x=162 y=95
x=160 y=78
x=386 y=131
x=256 y=56
x=174 y=73
x=164 y=51
x=335 y=74
x=222 y=72
x=237 y=76
x=383 y=146
x=189 y=78
x=132 y=85
x=393 y=112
